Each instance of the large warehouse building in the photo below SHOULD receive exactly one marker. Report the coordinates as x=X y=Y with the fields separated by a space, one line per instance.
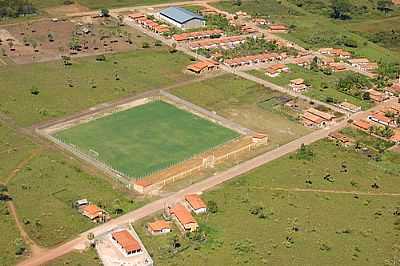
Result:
x=182 y=18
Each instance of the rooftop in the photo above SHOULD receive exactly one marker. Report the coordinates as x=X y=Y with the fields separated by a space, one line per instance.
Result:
x=180 y=14
x=182 y=214
x=126 y=240
x=195 y=201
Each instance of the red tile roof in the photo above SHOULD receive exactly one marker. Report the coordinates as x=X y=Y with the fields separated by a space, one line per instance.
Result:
x=362 y=124
x=159 y=225
x=182 y=214
x=91 y=210
x=126 y=241
x=195 y=201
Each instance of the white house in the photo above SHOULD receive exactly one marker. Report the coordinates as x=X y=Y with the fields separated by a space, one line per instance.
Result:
x=196 y=204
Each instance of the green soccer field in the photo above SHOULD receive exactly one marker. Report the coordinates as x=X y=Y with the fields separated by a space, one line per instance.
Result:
x=147 y=138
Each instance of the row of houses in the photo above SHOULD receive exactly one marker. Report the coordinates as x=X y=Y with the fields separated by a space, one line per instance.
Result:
x=363 y=64
x=203 y=66
x=224 y=43
x=278 y=28
x=197 y=35
x=254 y=59
x=336 y=52
x=317 y=119
x=182 y=214
x=150 y=24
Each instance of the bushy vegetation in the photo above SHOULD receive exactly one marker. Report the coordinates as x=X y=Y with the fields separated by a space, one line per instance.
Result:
x=355 y=85
x=15 y=8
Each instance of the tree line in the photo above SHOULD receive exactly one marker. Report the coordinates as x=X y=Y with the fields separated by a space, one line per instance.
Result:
x=16 y=8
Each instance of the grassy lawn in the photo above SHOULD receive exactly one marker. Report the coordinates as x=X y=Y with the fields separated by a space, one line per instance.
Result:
x=318 y=81
x=149 y=137
x=92 y=82
x=43 y=193
x=9 y=237
x=88 y=257
x=256 y=225
x=314 y=29
x=13 y=149
x=243 y=102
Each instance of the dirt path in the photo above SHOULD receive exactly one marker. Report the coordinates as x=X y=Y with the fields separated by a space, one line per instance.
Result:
x=33 y=247
x=22 y=164
x=363 y=193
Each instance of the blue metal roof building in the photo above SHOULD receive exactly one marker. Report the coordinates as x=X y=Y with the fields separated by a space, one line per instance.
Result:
x=182 y=18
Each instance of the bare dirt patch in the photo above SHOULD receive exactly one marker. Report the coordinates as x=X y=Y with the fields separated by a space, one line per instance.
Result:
x=66 y=9
x=48 y=40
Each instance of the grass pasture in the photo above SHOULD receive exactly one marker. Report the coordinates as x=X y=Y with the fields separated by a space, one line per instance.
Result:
x=44 y=191
x=243 y=101
x=88 y=257
x=64 y=90
x=9 y=237
x=149 y=138
x=318 y=81
x=297 y=228
x=13 y=150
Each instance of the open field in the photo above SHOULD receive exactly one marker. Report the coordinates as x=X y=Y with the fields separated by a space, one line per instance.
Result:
x=150 y=138
x=88 y=257
x=13 y=149
x=9 y=237
x=50 y=90
x=318 y=81
x=45 y=189
x=246 y=103
x=313 y=30
x=286 y=227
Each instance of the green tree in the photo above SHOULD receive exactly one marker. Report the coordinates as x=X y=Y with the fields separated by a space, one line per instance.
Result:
x=341 y=9
x=385 y=6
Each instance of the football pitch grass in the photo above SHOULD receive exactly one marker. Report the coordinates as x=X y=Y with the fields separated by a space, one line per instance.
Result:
x=145 y=139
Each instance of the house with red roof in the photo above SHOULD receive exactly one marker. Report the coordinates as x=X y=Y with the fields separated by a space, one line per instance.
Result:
x=362 y=124
x=184 y=218
x=159 y=227
x=196 y=204
x=126 y=243
x=380 y=118
x=93 y=212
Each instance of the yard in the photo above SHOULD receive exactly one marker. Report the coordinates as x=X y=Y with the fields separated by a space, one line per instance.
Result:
x=261 y=219
x=51 y=90
x=246 y=103
x=323 y=87
x=149 y=138
x=44 y=192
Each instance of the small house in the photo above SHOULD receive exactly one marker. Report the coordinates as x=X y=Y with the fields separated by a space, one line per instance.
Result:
x=350 y=107
x=93 y=212
x=184 y=219
x=196 y=204
x=298 y=85
x=128 y=245
x=159 y=227
x=362 y=124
